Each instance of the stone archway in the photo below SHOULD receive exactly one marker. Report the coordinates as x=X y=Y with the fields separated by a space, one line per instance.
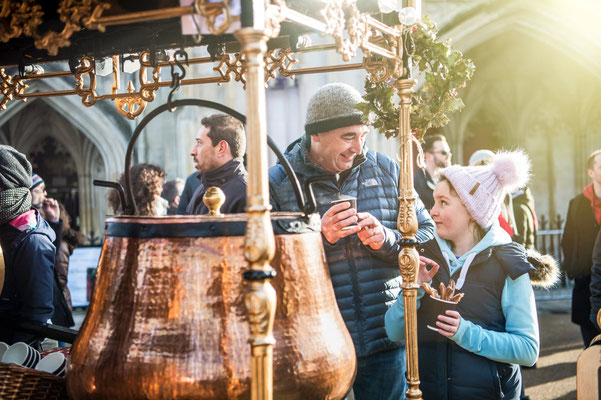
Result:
x=95 y=137
x=532 y=89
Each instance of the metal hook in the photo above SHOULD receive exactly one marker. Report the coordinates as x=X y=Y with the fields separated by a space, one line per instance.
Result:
x=176 y=77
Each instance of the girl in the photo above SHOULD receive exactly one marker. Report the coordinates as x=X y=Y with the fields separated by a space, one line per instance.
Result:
x=476 y=350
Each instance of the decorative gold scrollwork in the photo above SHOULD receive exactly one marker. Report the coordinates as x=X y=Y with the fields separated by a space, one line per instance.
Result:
x=234 y=65
x=336 y=24
x=280 y=60
x=86 y=67
x=406 y=221
x=148 y=89
x=11 y=88
x=275 y=13
x=381 y=69
x=211 y=14
x=25 y=17
x=75 y=14
x=408 y=259
x=130 y=106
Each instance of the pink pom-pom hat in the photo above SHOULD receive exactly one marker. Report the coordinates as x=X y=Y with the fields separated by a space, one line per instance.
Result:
x=482 y=188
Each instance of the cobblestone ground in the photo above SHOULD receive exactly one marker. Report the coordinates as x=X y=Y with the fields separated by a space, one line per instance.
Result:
x=555 y=374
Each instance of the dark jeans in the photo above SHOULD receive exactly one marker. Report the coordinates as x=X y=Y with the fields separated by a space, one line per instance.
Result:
x=381 y=376
x=588 y=332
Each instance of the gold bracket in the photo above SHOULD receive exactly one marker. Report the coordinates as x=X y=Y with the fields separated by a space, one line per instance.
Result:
x=130 y=106
x=234 y=65
x=210 y=13
x=381 y=69
x=86 y=67
x=11 y=88
x=358 y=30
x=275 y=13
x=280 y=60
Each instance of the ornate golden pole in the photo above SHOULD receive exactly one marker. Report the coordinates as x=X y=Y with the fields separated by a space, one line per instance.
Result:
x=260 y=244
x=407 y=224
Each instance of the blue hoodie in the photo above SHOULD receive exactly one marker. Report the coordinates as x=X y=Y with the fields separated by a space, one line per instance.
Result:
x=519 y=344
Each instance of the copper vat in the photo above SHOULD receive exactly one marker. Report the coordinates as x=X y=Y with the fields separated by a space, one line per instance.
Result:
x=167 y=320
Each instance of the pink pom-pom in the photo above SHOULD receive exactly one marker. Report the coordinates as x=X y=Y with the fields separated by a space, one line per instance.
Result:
x=512 y=169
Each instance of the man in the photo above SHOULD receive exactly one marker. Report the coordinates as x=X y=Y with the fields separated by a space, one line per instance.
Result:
x=26 y=240
x=192 y=183
x=577 y=243
x=361 y=245
x=172 y=192
x=437 y=155
x=49 y=210
x=47 y=207
x=220 y=146
x=526 y=222
x=596 y=282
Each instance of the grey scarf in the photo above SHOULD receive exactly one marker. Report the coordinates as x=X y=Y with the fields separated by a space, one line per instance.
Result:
x=14 y=202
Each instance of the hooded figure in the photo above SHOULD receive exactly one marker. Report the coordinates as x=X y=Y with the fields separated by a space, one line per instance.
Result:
x=26 y=239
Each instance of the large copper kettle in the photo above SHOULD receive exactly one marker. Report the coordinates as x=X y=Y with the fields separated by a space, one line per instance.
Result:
x=167 y=320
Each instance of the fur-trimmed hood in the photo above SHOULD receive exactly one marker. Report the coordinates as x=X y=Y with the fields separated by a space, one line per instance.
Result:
x=546 y=270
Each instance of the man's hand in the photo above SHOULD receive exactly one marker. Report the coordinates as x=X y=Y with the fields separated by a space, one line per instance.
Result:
x=51 y=210
x=371 y=233
x=335 y=219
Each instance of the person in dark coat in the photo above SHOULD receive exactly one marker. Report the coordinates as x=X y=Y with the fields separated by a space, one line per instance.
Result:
x=525 y=218
x=581 y=228
x=192 y=183
x=473 y=352
x=596 y=282
x=26 y=292
x=218 y=155
x=437 y=155
x=172 y=192
x=361 y=245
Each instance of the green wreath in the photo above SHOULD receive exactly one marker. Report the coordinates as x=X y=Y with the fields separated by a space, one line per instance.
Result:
x=446 y=70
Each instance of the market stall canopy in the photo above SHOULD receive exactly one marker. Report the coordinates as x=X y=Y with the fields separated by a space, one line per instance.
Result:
x=33 y=32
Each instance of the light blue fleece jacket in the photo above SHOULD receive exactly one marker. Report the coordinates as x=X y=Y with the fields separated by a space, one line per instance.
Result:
x=519 y=344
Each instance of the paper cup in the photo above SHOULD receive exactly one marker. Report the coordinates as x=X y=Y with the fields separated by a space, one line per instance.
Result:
x=438 y=307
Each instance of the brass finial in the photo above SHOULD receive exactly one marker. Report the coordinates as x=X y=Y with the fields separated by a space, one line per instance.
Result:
x=214 y=199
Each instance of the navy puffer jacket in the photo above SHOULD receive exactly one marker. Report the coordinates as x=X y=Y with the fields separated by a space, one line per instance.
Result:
x=28 y=287
x=366 y=282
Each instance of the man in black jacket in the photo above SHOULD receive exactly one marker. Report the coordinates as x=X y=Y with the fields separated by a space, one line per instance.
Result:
x=218 y=154
x=596 y=282
x=437 y=155
x=582 y=226
x=26 y=239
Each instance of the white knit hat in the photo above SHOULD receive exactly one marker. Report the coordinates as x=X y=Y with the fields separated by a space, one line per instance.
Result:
x=482 y=188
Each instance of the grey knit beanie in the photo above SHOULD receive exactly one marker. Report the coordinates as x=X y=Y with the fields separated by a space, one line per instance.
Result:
x=332 y=107
x=15 y=170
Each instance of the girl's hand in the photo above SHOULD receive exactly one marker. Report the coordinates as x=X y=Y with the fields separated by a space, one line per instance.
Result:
x=448 y=324
x=424 y=275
